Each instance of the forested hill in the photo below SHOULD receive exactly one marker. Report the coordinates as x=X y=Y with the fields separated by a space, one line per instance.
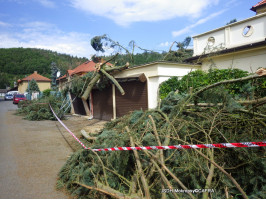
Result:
x=18 y=62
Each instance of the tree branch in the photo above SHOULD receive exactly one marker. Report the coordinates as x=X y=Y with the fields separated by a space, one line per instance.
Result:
x=88 y=90
x=168 y=171
x=143 y=179
x=114 y=81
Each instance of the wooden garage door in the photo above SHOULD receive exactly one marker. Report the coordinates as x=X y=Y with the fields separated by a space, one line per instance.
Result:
x=102 y=104
x=135 y=97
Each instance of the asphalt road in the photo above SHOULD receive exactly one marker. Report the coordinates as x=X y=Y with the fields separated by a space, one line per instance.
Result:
x=31 y=155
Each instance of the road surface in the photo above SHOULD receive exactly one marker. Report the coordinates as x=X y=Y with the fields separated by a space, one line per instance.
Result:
x=31 y=155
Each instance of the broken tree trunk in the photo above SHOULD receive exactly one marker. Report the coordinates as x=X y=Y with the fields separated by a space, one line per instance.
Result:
x=103 y=70
x=87 y=136
x=86 y=107
x=90 y=86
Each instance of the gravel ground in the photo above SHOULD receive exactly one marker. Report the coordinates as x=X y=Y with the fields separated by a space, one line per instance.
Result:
x=32 y=153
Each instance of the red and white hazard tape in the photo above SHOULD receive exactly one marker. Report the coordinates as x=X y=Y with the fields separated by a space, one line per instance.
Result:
x=67 y=128
x=194 y=146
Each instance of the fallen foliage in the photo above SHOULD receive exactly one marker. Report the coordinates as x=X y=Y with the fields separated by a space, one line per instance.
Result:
x=180 y=119
x=37 y=110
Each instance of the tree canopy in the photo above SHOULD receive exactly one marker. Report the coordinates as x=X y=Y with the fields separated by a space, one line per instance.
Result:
x=17 y=63
x=33 y=87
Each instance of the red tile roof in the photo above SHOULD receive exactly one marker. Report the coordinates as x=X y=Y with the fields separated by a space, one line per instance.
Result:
x=258 y=4
x=85 y=67
x=62 y=77
x=88 y=66
x=70 y=72
x=36 y=77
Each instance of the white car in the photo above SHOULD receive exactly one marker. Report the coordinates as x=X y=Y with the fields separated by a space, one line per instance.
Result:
x=13 y=92
x=8 y=96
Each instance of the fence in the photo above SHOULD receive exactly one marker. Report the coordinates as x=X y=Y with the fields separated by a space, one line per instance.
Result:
x=38 y=95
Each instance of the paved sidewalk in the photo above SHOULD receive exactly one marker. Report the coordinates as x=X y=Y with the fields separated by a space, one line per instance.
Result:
x=31 y=155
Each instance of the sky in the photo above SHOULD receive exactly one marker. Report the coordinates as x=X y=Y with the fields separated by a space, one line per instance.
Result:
x=67 y=26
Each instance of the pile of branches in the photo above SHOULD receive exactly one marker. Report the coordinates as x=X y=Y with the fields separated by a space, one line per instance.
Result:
x=37 y=110
x=180 y=119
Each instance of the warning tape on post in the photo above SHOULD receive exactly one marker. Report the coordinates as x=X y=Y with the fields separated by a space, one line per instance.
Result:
x=195 y=146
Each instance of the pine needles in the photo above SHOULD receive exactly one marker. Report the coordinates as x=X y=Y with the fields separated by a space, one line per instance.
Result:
x=217 y=117
x=37 y=110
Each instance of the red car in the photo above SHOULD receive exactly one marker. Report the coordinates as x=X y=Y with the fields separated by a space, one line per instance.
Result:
x=18 y=97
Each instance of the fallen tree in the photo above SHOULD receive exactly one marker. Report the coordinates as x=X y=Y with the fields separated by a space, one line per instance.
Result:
x=36 y=110
x=103 y=70
x=217 y=173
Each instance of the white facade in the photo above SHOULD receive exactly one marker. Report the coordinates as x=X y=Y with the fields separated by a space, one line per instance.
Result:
x=246 y=60
x=156 y=73
x=232 y=35
x=247 y=33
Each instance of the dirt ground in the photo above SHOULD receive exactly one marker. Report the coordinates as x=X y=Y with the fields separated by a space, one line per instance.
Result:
x=32 y=153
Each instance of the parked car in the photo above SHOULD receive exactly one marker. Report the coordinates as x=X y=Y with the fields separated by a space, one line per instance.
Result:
x=13 y=92
x=8 y=96
x=18 y=97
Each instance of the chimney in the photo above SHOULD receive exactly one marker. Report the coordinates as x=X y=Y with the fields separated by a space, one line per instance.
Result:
x=35 y=72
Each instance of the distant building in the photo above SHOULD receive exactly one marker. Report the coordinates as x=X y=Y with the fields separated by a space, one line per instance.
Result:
x=259 y=7
x=3 y=92
x=238 y=45
x=43 y=82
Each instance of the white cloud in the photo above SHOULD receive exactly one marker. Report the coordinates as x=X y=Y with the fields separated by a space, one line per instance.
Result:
x=3 y=24
x=187 y=29
x=48 y=36
x=164 y=44
x=125 y=12
x=47 y=3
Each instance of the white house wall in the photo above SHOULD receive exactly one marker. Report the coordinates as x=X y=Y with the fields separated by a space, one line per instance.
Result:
x=259 y=33
x=249 y=60
x=153 y=90
x=232 y=35
x=153 y=84
x=179 y=70
x=148 y=70
x=203 y=41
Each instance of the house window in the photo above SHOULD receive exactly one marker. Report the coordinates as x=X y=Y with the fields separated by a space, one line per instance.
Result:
x=211 y=41
x=247 y=31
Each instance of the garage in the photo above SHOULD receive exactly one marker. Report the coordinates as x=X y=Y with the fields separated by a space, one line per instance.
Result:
x=102 y=104
x=135 y=98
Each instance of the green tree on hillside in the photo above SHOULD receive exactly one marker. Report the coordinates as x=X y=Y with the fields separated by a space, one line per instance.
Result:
x=3 y=81
x=16 y=63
